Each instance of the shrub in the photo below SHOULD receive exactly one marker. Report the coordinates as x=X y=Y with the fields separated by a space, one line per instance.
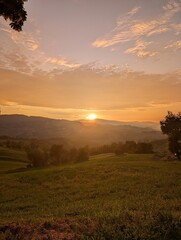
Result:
x=82 y=155
x=37 y=157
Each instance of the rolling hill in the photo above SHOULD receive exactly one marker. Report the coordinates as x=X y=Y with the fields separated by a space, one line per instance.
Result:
x=126 y=197
x=78 y=132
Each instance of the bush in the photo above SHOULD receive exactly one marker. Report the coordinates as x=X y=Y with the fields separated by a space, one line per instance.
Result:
x=132 y=147
x=144 y=148
x=72 y=155
x=82 y=155
x=58 y=154
x=37 y=157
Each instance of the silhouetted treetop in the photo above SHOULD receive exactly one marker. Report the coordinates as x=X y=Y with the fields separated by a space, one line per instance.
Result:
x=15 y=12
x=171 y=126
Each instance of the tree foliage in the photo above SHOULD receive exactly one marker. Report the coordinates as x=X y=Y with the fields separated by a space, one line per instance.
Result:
x=83 y=154
x=37 y=157
x=121 y=148
x=60 y=155
x=144 y=148
x=57 y=154
x=171 y=126
x=14 y=11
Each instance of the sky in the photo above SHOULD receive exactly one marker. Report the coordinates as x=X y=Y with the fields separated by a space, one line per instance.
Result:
x=118 y=59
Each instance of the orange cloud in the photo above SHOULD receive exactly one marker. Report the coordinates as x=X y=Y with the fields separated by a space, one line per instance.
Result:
x=27 y=39
x=177 y=28
x=127 y=30
x=174 y=45
x=140 y=49
x=63 y=62
x=118 y=34
x=107 y=90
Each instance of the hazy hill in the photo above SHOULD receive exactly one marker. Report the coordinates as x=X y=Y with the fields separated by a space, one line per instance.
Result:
x=153 y=125
x=93 y=133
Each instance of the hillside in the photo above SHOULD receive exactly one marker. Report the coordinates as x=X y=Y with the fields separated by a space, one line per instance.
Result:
x=153 y=125
x=107 y=197
x=92 y=133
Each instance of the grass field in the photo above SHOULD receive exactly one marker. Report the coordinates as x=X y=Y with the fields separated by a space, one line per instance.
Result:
x=12 y=155
x=107 y=197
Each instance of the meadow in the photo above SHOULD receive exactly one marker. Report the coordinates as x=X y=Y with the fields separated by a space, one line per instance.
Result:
x=134 y=196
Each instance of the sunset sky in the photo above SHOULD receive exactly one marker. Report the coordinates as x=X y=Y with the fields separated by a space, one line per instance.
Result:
x=119 y=59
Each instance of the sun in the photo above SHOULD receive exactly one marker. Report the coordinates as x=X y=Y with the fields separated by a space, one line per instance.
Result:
x=91 y=116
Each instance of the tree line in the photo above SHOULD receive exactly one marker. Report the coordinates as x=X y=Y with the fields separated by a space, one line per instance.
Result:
x=39 y=157
x=58 y=154
x=44 y=154
x=121 y=148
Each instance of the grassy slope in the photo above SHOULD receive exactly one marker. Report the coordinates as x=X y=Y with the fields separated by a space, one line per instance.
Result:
x=12 y=155
x=104 y=188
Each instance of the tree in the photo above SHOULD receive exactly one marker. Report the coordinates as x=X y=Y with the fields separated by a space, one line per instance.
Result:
x=72 y=155
x=14 y=11
x=129 y=147
x=37 y=157
x=171 y=126
x=144 y=148
x=119 y=149
x=83 y=154
x=58 y=154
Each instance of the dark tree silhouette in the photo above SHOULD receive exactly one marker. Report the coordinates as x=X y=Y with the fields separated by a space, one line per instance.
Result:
x=129 y=147
x=36 y=156
x=83 y=154
x=171 y=126
x=14 y=11
x=58 y=154
x=144 y=148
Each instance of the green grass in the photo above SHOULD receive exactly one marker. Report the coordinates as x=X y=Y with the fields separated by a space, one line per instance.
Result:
x=12 y=155
x=129 y=197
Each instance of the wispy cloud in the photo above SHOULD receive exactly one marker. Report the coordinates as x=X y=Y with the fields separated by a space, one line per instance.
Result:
x=26 y=39
x=84 y=88
x=128 y=28
x=19 y=50
x=172 y=5
x=174 y=45
x=106 y=90
x=119 y=33
x=140 y=49
x=177 y=28
x=62 y=62
x=16 y=62
x=23 y=52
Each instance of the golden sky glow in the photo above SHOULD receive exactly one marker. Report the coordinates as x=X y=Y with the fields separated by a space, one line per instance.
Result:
x=123 y=63
x=91 y=116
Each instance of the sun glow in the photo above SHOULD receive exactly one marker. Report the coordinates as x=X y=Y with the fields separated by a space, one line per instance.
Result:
x=92 y=116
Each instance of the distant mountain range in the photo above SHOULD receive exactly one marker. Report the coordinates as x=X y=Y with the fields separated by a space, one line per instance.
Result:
x=152 y=125
x=78 y=132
